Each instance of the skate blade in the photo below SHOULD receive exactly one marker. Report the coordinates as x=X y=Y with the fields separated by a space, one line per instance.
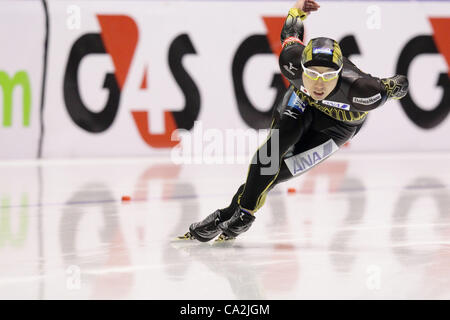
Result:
x=183 y=242
x=185 y=237
x=223 y=238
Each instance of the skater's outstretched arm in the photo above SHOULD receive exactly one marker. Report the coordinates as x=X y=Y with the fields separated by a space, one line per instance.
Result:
x=293 y=25
x=365 y=94
x=368 y=92
x=292 y=38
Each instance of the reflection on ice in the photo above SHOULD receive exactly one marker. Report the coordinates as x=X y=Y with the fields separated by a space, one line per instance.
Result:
x=358 y=227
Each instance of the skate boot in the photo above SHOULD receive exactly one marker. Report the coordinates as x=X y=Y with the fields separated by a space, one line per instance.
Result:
x=239 y=223
x=396 y=86
x=207 y=229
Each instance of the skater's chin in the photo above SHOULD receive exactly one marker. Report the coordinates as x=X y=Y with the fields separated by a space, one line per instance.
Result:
x=318 y=95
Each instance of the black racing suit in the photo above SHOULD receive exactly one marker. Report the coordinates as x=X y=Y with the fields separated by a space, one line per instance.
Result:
x=305 y=130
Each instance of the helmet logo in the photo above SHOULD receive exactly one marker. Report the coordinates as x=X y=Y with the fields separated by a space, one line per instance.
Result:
x=322 y=50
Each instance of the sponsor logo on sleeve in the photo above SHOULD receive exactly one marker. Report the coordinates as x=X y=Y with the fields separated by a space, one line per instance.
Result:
x=367 y=101
x=296 y=102
x=335 y=104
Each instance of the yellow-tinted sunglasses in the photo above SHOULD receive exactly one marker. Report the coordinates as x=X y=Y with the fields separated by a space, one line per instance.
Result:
x=326 y=76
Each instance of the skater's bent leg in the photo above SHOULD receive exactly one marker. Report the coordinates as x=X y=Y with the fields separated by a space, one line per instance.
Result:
x=267 y=161
x=322 y=143
x=340 y=134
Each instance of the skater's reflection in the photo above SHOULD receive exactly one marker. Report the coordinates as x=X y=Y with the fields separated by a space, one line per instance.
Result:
x=190 y=211
x=232 y=262
x=109 y=233
x=252 y=271
x=282 y=272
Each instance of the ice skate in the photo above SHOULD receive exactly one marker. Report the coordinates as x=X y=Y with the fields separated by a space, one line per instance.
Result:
x=223 y=238
x=185 y=237
x=205 y=230
x=183 y=241
x=239 y=223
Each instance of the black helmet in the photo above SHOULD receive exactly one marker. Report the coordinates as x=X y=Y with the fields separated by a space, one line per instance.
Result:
x=323 y=52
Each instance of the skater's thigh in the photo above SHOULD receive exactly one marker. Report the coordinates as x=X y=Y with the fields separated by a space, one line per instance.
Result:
x=312 y=149
x=307 y=144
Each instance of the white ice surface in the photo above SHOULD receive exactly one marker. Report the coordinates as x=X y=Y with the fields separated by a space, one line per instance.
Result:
x=359 y=227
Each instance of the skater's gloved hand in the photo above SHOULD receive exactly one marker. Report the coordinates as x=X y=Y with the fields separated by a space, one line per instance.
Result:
x=307 y=6
x=293 y=25
x=396 y=86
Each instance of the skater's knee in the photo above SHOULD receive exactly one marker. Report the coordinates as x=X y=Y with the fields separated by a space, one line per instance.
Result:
x=253 y=208
x=261 y=201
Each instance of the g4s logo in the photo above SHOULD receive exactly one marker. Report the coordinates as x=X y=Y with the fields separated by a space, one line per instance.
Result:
x=118 y=38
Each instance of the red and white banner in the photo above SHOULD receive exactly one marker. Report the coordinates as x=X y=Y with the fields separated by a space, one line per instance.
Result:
x=123 y=75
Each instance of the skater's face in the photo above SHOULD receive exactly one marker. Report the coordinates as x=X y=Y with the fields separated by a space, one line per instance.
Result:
x=319 y=89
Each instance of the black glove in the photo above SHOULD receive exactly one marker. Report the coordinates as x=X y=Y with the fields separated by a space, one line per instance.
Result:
x=396 y=86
